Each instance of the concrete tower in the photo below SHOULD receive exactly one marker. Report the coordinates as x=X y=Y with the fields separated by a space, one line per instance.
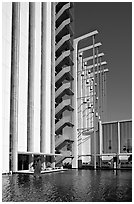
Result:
x=40 y=68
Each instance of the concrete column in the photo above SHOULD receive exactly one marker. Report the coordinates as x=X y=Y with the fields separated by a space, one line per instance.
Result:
x=100 y=136
x=118 y=137
x=105 y=102
x=79 y=92
x=31 y=67
x=45 y=113
x=44 y=161
x=79 y=109
x=43 y=76
x=14 y=84
x=88 y=104
x=87 y=97
x=53 y=81
x=75 y=133
x=101 y=142
x=94 y=103
x=89 y=119
x=84 y=104
x=98 y=104
x=84 y=100
x=103 y=93
x=100 y=89
x=118 y=164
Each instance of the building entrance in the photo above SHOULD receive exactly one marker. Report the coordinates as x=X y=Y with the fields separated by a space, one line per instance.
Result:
x=22 y=162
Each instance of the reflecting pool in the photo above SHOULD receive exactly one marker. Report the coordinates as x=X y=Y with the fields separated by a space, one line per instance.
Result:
x=69 y=186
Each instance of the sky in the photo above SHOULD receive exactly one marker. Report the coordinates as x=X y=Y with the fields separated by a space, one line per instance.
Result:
x=113 y=21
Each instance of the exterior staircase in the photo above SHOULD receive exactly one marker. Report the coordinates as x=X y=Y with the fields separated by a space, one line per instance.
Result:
x=60 y=159
x=65 y=121
x=64 y=105
x=63 y=78
x=61 y=141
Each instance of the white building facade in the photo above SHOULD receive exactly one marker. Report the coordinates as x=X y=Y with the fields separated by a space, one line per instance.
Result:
x=29 y=35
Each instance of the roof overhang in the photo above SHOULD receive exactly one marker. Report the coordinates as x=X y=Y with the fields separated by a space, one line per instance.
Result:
x=38 y=153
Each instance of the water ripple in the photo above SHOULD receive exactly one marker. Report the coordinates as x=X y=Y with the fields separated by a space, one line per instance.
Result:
x=70 y=186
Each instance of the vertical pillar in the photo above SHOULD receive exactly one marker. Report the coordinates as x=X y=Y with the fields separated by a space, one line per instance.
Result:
x=100 y=90
x=75 y=134
x=90 y=103
x=100 y=136
x=103 y=93
x=84 y=100
x=87 y=97
x=14 y=84
x=79 y=95
x=53 y=81
x=92 y=100
x=31 y=66
x=94 y=103
x=44 y=161
x=89 y=125
x=118 y=137
x=118 y=165
x=79 y=109
x=88 y=106
x=43 y=76
x=45 y=113
x=101 y=142
x=98 y=110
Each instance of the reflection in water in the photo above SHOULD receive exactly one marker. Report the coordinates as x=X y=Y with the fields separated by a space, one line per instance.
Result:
x=71 y=186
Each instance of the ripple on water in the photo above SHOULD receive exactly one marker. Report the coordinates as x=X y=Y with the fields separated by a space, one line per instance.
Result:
x=70 y=186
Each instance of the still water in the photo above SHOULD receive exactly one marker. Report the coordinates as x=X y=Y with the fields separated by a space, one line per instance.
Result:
x=69 y=186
